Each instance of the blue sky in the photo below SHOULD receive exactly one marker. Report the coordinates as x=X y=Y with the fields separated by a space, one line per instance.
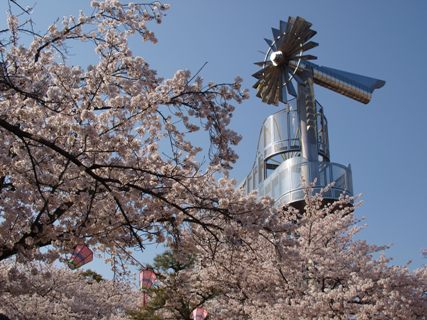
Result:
x=385 y=141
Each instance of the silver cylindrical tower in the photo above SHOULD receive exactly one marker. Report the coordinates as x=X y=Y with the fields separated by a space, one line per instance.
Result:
x=280 y=169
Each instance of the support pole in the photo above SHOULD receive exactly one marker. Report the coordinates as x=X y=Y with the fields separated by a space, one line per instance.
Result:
x=306 y=105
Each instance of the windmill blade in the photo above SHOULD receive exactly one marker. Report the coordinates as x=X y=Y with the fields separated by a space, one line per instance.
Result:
x=255 y=86
x=283 y=26
x=299 y=41
x=288 y=32
x=278 y=37
x=259 y=74
x=268 y=73
x=261 y=83
x=259 y=86
x=270 y=80
x=303 y=57
x=271 y=44
x=263 y=63
x=302 y=27
x=289 y=24
x=290 y=36
x=287 y=81
x=273 y=94
x=265 y=81
x=307 y=23
x=310 y=34
x=297 y=23
x=270 y=86
x=300 y=24
x=276 y=34
x=291 y=89
x=309 y=45
x=302 y=34
x=298 y=33
x=277 y=96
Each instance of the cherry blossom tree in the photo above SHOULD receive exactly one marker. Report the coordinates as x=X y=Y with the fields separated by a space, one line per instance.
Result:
x=316 y=270
x=41 y=291
x=101 y=154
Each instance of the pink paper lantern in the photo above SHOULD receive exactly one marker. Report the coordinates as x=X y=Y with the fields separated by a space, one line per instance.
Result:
x=81 y=255
x=147 y=278
x=199 y=314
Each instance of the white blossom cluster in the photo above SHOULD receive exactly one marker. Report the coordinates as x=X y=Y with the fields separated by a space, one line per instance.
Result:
x=39 y=291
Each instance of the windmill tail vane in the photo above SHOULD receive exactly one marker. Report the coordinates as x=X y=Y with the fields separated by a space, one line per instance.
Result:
x=354 y=86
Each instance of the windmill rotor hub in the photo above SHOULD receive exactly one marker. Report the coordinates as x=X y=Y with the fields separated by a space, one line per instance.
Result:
x=277 y=58
x=282 y=63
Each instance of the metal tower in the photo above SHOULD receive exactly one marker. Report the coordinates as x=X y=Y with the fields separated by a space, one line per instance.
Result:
x=294 y=144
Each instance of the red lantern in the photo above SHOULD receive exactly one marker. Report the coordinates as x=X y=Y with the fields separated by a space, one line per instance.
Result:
x=147 y=278
x=81 y=255
x=199 y=314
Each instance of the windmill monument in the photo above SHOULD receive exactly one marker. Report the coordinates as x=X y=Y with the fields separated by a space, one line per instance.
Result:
x=293 y=145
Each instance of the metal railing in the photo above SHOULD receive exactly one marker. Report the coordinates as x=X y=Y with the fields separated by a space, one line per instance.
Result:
x=286 y=183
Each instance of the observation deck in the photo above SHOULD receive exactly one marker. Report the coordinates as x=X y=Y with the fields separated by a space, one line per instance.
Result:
x=279 y=169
